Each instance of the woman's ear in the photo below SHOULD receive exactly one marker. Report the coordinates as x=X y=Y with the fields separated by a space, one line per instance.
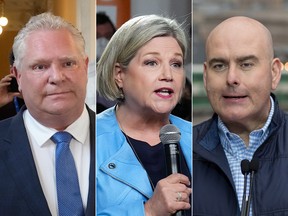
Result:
x=118 y=75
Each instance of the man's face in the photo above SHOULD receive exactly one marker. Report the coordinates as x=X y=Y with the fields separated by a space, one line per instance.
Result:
x=239 y=75
x=53 y=75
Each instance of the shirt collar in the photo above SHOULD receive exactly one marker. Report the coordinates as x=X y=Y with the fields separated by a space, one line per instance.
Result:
x=227 y=137
x=78 y=129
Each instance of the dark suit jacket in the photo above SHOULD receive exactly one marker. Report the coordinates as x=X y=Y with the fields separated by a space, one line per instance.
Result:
x=9 y=109
x=20 y=189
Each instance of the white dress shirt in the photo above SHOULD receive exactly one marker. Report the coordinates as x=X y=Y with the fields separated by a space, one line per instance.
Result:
x=43 y=150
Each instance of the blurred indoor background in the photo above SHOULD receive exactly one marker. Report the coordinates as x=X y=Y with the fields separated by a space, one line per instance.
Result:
x=81 y=13
x=120 y=11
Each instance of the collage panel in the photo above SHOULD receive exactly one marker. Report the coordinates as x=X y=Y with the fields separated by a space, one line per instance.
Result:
x=240 y=107
x=144 y=108
x=47 y=121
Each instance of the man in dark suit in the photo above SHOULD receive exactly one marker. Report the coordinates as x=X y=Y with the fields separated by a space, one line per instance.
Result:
x=51 y=69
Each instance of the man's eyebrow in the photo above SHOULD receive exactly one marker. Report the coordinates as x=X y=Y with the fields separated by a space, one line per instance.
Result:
x=216 y=60
x=238 y=59
x=245 y=58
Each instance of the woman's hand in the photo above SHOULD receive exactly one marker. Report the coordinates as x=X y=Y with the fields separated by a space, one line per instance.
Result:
x=171 y=194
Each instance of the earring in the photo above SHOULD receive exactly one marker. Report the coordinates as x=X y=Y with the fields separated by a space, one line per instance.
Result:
x=121 y=97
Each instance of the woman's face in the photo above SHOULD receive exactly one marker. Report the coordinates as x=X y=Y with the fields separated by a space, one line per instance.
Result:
x=154 y=79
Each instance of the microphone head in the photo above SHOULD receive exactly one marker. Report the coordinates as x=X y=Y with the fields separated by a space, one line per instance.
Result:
x=254 y=165
x=245 y=166
x=169 y=134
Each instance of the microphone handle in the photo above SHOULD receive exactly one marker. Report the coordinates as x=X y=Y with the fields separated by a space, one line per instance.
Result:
x=173 y=164
x=172 y=158
x=250 y=192
x=244 y=200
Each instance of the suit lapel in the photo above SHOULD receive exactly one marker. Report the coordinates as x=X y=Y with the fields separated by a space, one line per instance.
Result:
x=90 y=210
x=210 y=148
x=19 y=160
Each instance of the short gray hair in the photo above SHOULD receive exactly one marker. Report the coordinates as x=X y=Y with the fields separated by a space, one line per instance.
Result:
x=44 y=21
x=125 y=43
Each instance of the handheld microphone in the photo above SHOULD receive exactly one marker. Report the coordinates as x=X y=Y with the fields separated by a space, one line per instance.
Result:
x=245 y=169
x=254 y=165
x=170 y=137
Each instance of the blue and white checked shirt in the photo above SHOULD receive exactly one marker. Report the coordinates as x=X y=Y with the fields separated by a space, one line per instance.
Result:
x=236 y=151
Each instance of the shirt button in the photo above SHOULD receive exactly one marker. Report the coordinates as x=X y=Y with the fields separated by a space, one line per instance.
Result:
x=111 y=166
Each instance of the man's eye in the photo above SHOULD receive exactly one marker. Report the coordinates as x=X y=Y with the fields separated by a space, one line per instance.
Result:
x=218 y=67
x=69 y=64
x=246 y=65
x=39 y=67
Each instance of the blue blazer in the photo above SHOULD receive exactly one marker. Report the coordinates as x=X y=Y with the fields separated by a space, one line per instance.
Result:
x=20 y=189
x=122 y=183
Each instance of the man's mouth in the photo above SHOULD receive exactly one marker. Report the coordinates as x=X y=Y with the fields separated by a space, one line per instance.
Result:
x=58 y=93
x=234 y=97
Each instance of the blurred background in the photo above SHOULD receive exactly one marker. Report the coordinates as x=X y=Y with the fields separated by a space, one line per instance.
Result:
x=119 y=11
x=111 y=14
x=81 y=13
x=208 y=13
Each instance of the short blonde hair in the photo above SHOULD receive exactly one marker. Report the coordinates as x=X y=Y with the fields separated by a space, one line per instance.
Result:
x=125 y=43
